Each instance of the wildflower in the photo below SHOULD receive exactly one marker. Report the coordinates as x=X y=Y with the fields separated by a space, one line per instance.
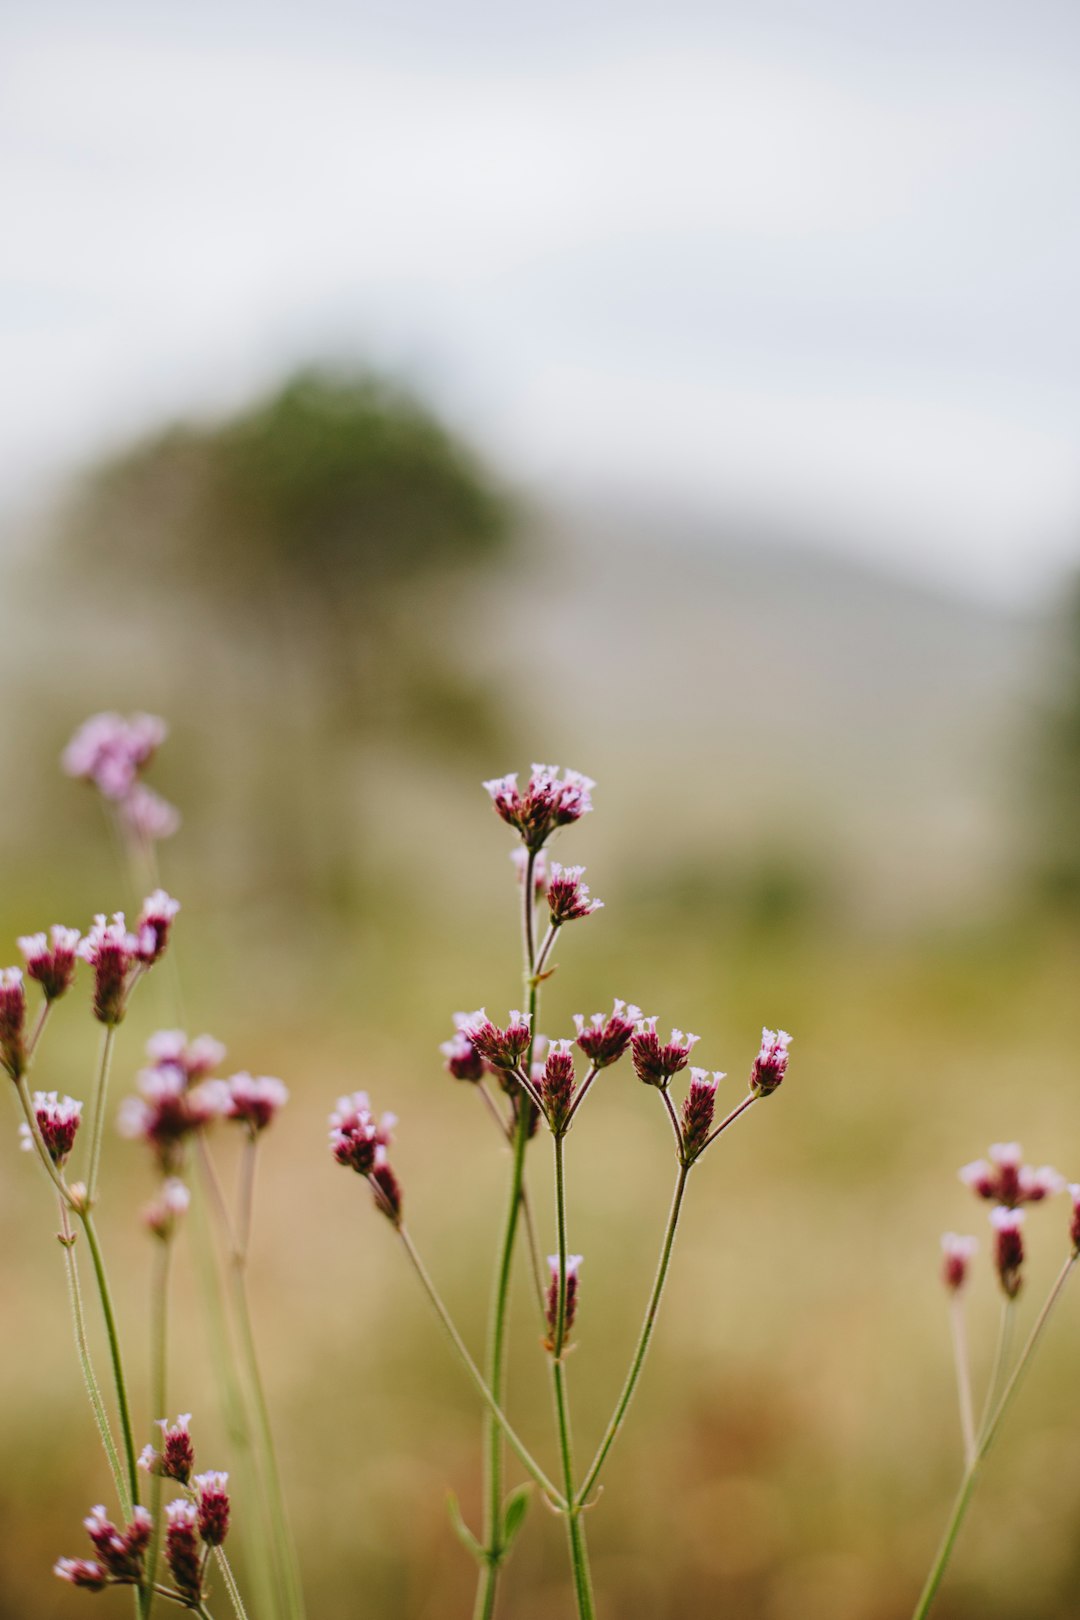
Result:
x=58 y=1121
x=197 y=1058
x=1007 y=1180
x=161 y=1215
x=168 y=1110
x=355 y=1137
x=182 y=1552
x=1074 y=1225
x=176 y=1458
x=547 y=802
x=503 y=1048
x=463 y=1061
x=520 y=857
x=1009 y=1247
x=556 y=1085
x=155 y=920
x=84 y=1572
x=213 y=1504
x=567 y=896
x=573 y=1262
x=653 y=1063
x=50 y=961
x=121 y=1552
x=147 y=815
x=254 y=1100
x=12 y=1022
x=770 y=1065
x=605 y=1040
x=958 y=1253
x=112 y=953
x=110 y=751
x=386 y=1188
x=697 y=1111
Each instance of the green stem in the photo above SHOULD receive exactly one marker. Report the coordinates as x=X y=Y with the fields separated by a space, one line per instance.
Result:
x=963 y=1376
x=475 y=1374
x=986 y=1439
x=126 y=1430
x=575 y=1530
x=282 y=1542
x=643 y=1339
x=1001 y=1358
x=82 y=1347
x=159 y=1318
x=230 y=1583
x=97 y=1123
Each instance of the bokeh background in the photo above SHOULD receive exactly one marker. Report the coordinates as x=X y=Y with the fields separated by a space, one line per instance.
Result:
x=394 y=396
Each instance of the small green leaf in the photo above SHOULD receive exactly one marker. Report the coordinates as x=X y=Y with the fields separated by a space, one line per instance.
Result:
x=517 y=1505
x=462 y=1531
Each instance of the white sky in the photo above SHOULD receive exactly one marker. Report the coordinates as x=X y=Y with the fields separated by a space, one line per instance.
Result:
x=816 y=262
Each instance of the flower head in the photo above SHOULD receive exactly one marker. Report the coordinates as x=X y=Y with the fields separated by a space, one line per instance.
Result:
x=1074 y=1225
x=463 y=1061
x=770 y=1065
x=147 y=816
x=255 y=1100
x=176 y=1459
x=655 y=1063
x=12 y=1022
x=502 y=1048
x=1004 y=1178
x=957 y=1255
x=213 y=1506
x=698 y=1108
x=1008 y=1227
x=604 y=1040
x=168 y=1110
x=182 y=1552
x=386 y=1188
x=197 y=1058
x=161 y=1215
x=50 y=961
x=556 y=1085
x=84 y=1572
x=567 y=896
x=547 y=803
x=112 y=953
x=355 y=1136
x=155 y=921
x=573 y=1263
x=121 y=1552
x=110 y=751
x=58 y=1121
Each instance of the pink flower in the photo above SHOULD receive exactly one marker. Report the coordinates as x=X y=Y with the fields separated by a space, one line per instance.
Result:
x=655 y=1063
x=355 y=1137
x=213 y=1507
x=182 y=1552
x=770 y=1065
x=1008 y=1227
x=197 y=1058
x=112 y=953
x=58 y=1121
x=12 y=1022
x=958 y=1253
x=51 y=962
x=147 y=815
x=503 y=1048
x=255 y=1100
x=155 y=920
x=463 y=1061
x=697 y=1111
x=176 y=1459
x=568 y=897
x=84 y=1572
x=162 y=1213
x=110 y=751
x=1007 y=1180
x=605 y=1040
x=121 y=1552
x=546 y=804
x=168 y=1110
x=556 y=1085
x=1074 y=1225
x=386 y=1188
x=573 y=1263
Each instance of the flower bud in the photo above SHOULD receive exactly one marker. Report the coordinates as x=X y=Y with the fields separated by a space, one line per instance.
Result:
x=605 y=1040
x=155 y=922
x=112 y=953
x=502 y=1048
x=653 y=1062
x=182 y=1552
x=176 y=1458
x=568 y=897
x=213 y=1506
x=58 y=1121
x=770 y=1065
x=1008 y=1247
x=1007 y=1180
x=254 y=1101
x=697 y=1112
x=957 y=1253
x=463 y=1061
x=50 y=961
x=573 y=1263
x=12 y=1022
x=546 y=804
x=556 y=1085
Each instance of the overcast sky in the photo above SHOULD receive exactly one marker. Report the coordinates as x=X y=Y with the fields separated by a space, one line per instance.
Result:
x=816 y=262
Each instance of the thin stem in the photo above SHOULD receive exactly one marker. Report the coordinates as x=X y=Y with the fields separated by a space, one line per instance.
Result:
x=729 y=1119
x=82 y=1347
x=560 y=1222
x=525 y=1082
x=39 y=1027
x=475 y=1374
x=505 y=1127
x=643 y=1339
x=963 y=1377
x=506 y=1130
x=126 y=1430
x=282 y=1543
x=97 y=1122
x=230 y=1583
x=545 y=950
x=986 y=1438
x=1001 y=1359
x=582 y=1092
x=159 y=1319
x=674 y=1118
x=575 y=1529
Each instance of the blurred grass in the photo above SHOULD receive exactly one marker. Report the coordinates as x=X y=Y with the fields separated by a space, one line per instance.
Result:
x=794 y=1445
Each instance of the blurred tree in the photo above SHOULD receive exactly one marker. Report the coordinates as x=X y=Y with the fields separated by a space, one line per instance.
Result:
x=331 y=532
x=1057 y=779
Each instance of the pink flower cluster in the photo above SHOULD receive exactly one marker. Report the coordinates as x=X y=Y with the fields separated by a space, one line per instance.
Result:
x=573 y=1266
x=359 y=1142
x=118 y=956
x=120 y=1553
x=112 y=752
x=568 y=897
x=58 y=1122
x=548 y=802
x=1010 y=1184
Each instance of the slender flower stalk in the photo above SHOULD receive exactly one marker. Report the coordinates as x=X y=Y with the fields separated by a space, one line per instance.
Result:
x=126 y=1429
x=159 y=1324
x=986 y=1439
x=575 y=1529
x=644 y=1339
x=97 y=1119
x=963 y=1376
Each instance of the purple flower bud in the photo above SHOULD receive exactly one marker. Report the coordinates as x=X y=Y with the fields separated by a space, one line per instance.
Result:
x=213 y=1507
x=176 y=1459
x=197 y=1058
x=155 y=921
x=355 y=1137
x=556 y=1085
x=655 y=1063
x=162 y=1213
x=502 y=1048
x=58 y=1121
x=121 y=1552
x=1004 y=1178
x=1074 y=1225
x=698 y=1109
x=770 y=1065
x=255 y=1100
x=386 y=1188
x=1009 y=1247
x=12 y=1022
x=463 y=1061
x=605 y=1040
x=547 y=802
x=957 y=1255
x=182 y=1552
x=568 y=897
x=84 y=1572
x=50 y=961
x=168 y=1110
x=573 y=1262
x=112 y=953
